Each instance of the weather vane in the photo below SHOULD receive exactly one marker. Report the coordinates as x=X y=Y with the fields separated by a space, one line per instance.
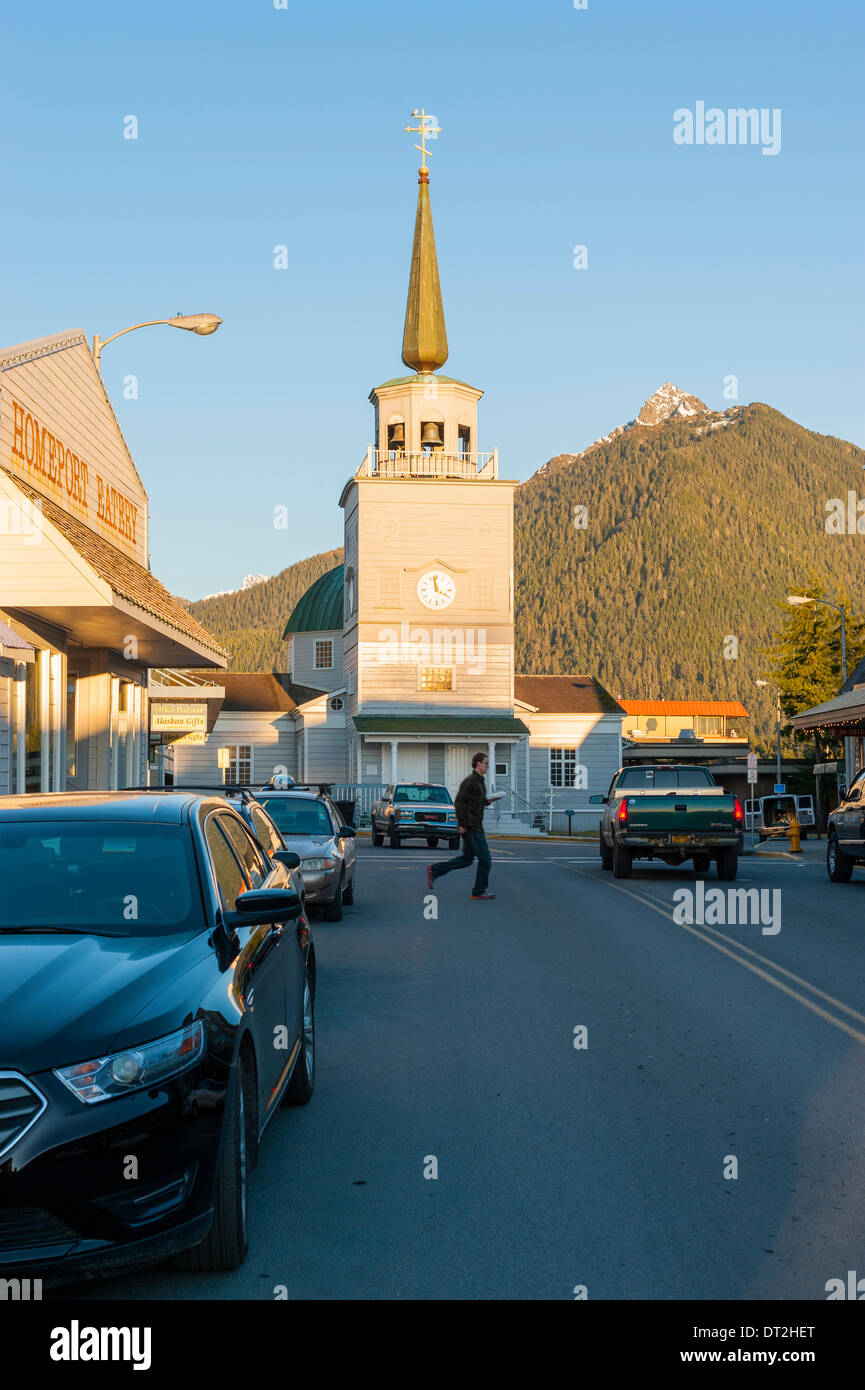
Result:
x=426 y=129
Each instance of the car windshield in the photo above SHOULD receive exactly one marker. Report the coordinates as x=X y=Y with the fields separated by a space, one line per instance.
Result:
x=436 y=794
x=130 y=878
x=296 y=816
x=664 y=779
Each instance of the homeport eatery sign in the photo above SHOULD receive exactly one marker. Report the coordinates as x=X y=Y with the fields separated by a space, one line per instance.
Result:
x=48 y=463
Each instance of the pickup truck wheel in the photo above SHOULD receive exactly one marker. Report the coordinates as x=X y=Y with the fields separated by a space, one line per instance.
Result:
x=761 y=838
x=432 y=842
x=839 y=866
x=377 y=838
x=702 y=863
x=606 y=854
x=728 y=863
x=623 y=861
x=454 y=842
x=393 y=840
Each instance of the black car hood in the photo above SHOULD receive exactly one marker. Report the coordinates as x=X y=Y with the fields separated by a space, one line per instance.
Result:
x=64 y=999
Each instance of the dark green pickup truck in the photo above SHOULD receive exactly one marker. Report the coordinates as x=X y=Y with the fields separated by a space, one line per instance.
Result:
x=671 y=813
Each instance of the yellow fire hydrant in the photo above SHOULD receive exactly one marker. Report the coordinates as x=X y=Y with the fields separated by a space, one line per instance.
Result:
x=795 y=835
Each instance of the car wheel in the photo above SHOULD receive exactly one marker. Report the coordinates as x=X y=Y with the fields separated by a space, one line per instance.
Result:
x=606 y=854
x=454 y=842
x=333 y=910
x=226 y=1243
x=377 y=839
x=839 y=865
x=623 y=861
x=728 y=863
x=300 y=1088
x=702 y=863
x=348 y=890
x=393 y=840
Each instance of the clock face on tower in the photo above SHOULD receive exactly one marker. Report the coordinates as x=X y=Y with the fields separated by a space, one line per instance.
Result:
x=435 y=589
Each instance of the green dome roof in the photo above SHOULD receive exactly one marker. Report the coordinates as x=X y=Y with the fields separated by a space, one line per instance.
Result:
x=320 y=608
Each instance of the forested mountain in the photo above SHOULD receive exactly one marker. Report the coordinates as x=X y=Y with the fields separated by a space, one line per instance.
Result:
x=690 y=526
x=250 y=622
x=692 y=532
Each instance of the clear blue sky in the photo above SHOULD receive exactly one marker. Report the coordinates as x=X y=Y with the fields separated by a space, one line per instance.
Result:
x=260 y=126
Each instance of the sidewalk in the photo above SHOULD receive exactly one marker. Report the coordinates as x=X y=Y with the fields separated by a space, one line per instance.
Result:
x=813 y=850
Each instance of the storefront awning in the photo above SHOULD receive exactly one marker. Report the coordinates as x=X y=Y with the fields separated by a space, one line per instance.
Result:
x=58 y=569
x=456 y=728
x=845 y=715
x=11 y=645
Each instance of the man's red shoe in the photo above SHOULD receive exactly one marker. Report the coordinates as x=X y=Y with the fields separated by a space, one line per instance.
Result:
x=481 y=897
x=429 y=877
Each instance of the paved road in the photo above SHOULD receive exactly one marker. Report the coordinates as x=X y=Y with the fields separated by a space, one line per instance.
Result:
x=601 y=1166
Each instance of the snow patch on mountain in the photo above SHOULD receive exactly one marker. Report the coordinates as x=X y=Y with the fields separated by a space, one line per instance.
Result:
x=247 y=583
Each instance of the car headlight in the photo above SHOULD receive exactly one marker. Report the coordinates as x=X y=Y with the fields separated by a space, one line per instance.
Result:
x=136 y=1067
x=316 y=865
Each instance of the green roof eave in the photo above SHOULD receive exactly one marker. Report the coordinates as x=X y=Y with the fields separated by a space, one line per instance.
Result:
x=320 y=608
x=463 y=726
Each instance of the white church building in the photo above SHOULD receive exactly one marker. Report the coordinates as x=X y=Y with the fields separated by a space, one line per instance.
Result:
x=401 y=660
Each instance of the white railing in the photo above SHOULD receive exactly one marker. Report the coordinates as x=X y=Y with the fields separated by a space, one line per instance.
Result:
x=389 y=463
x=363 y=794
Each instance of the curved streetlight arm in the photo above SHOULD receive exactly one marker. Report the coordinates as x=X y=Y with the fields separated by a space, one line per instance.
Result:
x=99 y=343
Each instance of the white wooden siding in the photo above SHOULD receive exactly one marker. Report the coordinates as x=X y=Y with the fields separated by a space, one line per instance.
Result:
x=270 y=734
x=62 y=390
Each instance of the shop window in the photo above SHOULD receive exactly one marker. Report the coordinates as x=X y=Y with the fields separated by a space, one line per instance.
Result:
x=239 y=770
x=71 y=723
x=563 y=767
x=436 y=678
x=323 y=659
x=33 y=724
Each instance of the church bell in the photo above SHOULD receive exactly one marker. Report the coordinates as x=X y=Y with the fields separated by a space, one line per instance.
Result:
x=431 y=437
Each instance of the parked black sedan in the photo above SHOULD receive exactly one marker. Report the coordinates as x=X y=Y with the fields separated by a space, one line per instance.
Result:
x=157 y=986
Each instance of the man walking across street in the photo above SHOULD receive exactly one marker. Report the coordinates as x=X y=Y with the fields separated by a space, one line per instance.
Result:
x=470 y=802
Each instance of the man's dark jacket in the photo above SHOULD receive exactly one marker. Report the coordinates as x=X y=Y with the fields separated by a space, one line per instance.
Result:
x=470 y=801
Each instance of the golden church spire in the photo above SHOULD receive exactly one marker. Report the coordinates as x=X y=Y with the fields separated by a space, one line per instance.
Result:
x=425 y=342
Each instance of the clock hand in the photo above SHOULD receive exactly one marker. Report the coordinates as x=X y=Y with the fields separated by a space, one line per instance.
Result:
x=436 y=585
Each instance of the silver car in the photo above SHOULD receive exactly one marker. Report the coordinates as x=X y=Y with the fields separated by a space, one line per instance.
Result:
x=312 y=826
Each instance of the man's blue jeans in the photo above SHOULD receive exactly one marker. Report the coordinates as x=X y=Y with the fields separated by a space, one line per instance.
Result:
x=474 y=847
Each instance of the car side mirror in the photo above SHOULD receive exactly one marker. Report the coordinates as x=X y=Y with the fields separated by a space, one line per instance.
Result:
x=259 y=906
x=286 y=857
x=597 y=800
x=348 y=831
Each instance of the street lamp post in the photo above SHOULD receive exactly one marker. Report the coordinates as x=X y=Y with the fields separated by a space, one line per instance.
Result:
x=202 y=324
x=764 y=684
x=797 y=600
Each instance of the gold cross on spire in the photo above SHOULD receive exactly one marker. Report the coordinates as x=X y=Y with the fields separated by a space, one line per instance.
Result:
x=426 y=128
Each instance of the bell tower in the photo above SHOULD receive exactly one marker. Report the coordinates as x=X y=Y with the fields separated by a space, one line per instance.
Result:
x=428 y=613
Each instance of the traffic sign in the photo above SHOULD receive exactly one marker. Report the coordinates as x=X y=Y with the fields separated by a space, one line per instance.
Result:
x=780 y=788
x=752 y=774
x=752 y=760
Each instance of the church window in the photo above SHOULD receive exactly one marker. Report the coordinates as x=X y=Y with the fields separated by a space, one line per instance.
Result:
x=436 y=678
x=388 y=595
x=482 y=590
x=563 y=767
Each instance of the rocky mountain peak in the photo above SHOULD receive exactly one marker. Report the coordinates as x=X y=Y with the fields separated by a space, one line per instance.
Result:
x=667 y=401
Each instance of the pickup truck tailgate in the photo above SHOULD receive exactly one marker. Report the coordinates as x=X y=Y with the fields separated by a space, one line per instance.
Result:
x=699 y=814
